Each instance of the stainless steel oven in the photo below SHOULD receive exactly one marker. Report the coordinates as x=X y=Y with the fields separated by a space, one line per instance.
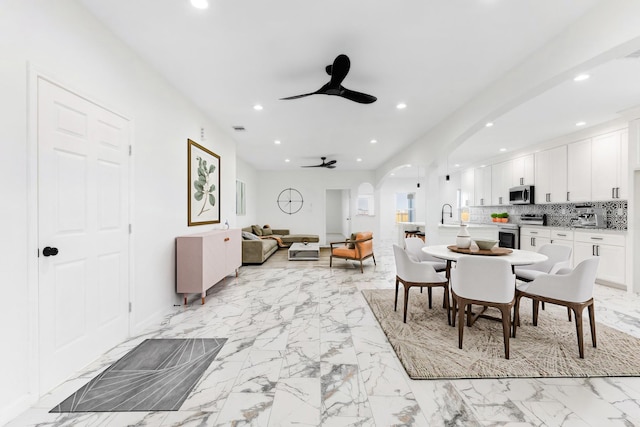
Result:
x=509 y=236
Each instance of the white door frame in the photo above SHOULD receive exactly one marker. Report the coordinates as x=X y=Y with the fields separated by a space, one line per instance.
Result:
x=345 y=222
x=32 y=221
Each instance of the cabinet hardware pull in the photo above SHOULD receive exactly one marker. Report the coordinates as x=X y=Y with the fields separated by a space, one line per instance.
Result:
x=562 y=235
x=593 y=250
x=499 y=200
x=533 y=232
x=617 y=192
x=533 y=241
x=568 y=196
x=596 y=238
x=226 y=239
x=597 y=250
x=613 y=192
x=521 y=181
x=548 y=197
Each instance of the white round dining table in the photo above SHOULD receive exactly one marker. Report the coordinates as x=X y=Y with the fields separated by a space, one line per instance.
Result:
x=516 y=258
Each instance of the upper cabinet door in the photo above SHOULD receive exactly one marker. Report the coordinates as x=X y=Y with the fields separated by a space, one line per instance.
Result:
x=523 y=171
x=551 y=175
x=501 y=179
x=609 y=170
x=467 y=188
x=482 y=186
x=579 y=171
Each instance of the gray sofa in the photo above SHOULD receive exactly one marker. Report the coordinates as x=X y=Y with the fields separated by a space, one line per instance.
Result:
x=258 y=251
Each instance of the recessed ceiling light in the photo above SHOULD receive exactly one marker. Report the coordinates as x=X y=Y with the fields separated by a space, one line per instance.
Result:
x=358 y=159
x=457 y=165
x=483 y=166
x=401 y=106
x=503 y=149
x=200 y=4
x=257 y=107
x=287 y=160
x=374 y=141
x=581 y=123
x=581 y=77
x=393 y=174
x=277 y=142
x=489 y=124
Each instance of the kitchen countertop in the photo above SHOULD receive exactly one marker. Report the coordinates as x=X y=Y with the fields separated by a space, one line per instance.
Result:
x=588 y=230
x=457 y=225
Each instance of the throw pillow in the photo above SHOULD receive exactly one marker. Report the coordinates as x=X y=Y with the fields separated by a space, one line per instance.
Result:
x=256 y=230
x=267 y=231
x=353 y=237
x=249 y=236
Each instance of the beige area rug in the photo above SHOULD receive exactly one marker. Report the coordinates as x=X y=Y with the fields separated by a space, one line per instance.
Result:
x=428 y=348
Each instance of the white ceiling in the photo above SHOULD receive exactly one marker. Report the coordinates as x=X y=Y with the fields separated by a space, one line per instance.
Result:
x=434 y=55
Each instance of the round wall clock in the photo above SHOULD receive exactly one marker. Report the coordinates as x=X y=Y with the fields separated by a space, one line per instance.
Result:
x=290 y=201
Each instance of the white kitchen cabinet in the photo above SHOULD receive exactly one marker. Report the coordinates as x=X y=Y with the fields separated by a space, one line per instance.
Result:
x=466 y=184
x=563 y=237
x=579 y=171
x=523 y=171
x=609 y=247
x=551 y=175
x=609 y=166
x=482 y=186
x=501 y=180
x=203 y=259
x=532 y=238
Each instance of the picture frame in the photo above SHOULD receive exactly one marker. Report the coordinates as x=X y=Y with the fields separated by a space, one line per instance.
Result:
x=203 y=185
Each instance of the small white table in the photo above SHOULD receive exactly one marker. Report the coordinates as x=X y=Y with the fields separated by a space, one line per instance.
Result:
x=304 y=252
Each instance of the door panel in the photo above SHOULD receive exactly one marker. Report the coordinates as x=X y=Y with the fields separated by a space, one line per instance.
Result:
x=83 y=182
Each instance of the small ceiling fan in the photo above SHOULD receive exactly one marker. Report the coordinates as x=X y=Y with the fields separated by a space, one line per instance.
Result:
x=338 y=71
x=329 y=165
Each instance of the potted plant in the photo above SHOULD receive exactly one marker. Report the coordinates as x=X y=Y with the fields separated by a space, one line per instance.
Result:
x=494 y=217
x=504 y=217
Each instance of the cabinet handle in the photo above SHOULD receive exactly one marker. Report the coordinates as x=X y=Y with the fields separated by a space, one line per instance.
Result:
x=226 y=239
x=562 y=235
x=548 y=197
x=521 y=181
x=534 y=232
x=533 y=241
x=499 y=200
x=593 y=250
x=617 y=192
x=596 y=238
x=613 y=192
x=481 y=202
x=568 y=196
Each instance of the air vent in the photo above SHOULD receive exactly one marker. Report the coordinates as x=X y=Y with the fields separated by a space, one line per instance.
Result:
x=635 y=54
x=239 y=128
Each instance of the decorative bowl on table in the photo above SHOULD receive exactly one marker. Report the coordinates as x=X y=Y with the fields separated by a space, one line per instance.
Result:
x=485 y=244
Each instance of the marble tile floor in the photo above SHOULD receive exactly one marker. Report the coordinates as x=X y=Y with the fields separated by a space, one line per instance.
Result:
x=304 y=349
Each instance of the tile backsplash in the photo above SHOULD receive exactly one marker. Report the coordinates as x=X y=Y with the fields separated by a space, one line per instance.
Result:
x=558 y=215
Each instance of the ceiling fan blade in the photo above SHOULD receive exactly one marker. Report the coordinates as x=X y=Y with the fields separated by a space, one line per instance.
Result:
x=331 y=166
x=339 y=70
x=360 y=97
x=331 y=162
x=299 y=96
x=313 y=166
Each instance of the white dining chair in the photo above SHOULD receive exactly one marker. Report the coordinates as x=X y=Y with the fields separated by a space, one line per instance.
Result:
x=416 y=274
x=486 y=281
x=413 y=246
x=573 y=290
x=558 y=258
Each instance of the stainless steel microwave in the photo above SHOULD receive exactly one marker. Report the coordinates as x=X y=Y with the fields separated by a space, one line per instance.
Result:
x=521 y=195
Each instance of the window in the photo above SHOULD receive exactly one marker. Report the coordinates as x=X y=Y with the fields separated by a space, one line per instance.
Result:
x=405 y=207
x=365 y=201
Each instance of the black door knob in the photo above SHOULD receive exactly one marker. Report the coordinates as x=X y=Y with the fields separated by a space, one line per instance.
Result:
x=48 y=251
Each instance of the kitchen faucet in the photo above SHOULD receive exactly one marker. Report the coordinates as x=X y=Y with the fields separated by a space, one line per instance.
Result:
x=442 y=212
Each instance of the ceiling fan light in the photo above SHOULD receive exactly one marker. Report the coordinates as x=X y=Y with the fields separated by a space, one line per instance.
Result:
x=489 y=124
x=200 y=4
x=374 y=141
x=581 y=77
x=277 y=142
x=401 y=106
x=257 y=107
x=358 y=159
x=581 y=124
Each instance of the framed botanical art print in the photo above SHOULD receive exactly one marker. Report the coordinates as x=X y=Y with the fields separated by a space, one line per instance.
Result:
x=203 y=183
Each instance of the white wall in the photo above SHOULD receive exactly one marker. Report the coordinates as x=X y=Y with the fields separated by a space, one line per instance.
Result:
x=386 y=203
x=312 y=184
x=334 y=211
x=249 y=176
x=61 y=40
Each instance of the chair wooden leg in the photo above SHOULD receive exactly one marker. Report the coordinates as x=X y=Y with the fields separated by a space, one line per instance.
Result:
x=361 y=267
x=374 y=259
x=447 y=304
x=569 y=313
x=460 y=324
x=592 y=323
x=395 y=305
x=506 y=328
x=516 y=315
x=406 y=301
x=429 y=293
x=578 y=313
x=454 y=309
x=330 y=260
x=536 y=304
x=469 y=315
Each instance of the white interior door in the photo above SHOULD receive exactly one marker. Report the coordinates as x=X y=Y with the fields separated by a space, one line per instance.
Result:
x=83 y=232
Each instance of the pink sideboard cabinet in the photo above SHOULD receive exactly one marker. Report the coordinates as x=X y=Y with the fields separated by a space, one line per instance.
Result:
x=203 y=259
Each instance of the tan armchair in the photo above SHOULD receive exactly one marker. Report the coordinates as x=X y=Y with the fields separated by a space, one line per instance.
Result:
x=361 y=250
